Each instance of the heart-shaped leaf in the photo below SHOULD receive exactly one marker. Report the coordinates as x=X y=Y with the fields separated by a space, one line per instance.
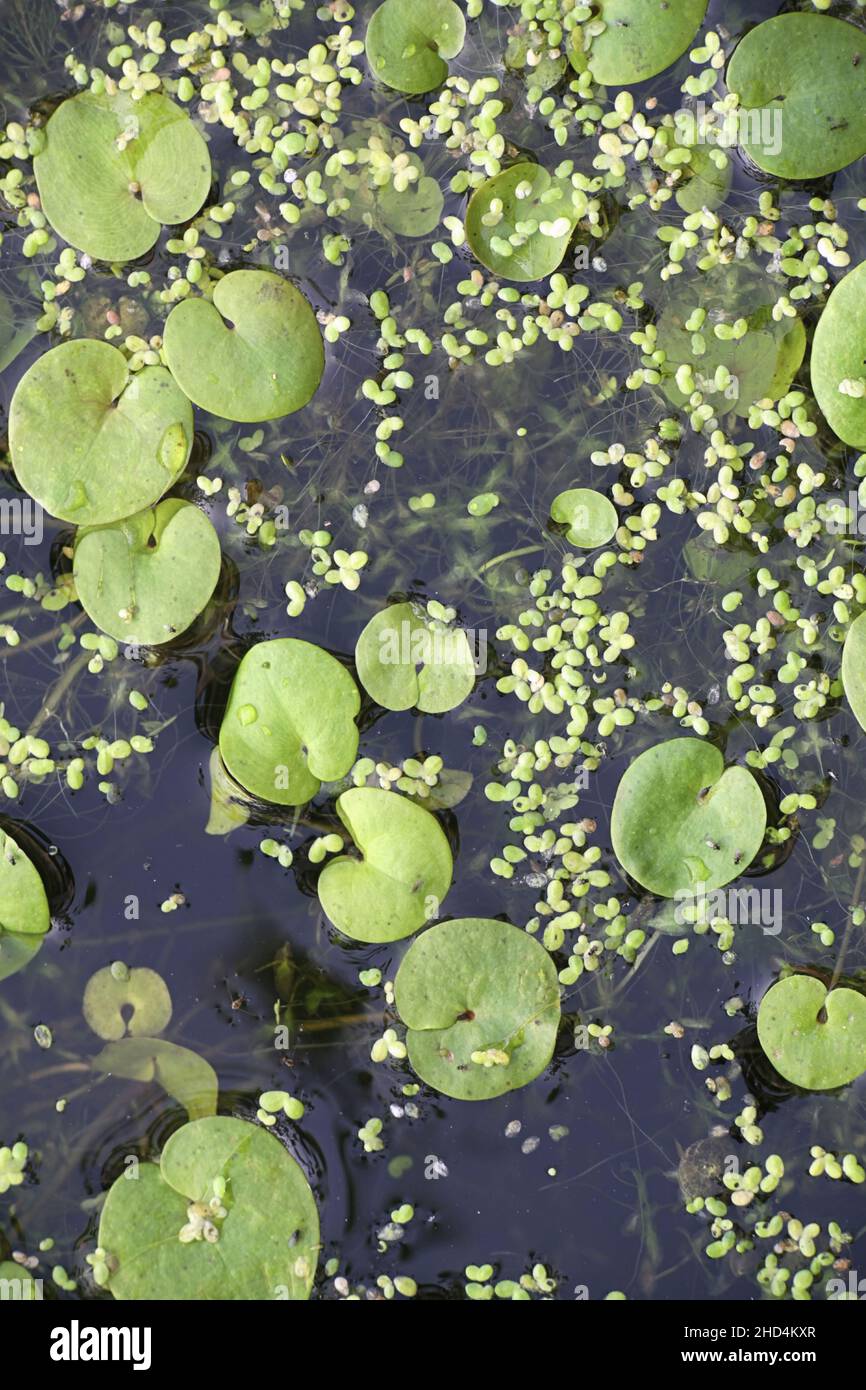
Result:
x=147 y=578
x=528 y=54
x=815 y=1039
x=25 y=915
x=519 y=223
x=404 y=874
x=265 y=1246
x=591 y=517
x=181 y=1073
x=416 y=210
x=125 y=437
x=406 y=661
x=705 y=179
x=854 y=669
x=481 y=1002
x=760 y=364
x=116 y=988
x=681 y=818
x=838 y=360
x=409 y=41
x=640 y=38
x=290 y=721
x=801 y=83
x=367 y=189
x=254 y=353
x=115 y=168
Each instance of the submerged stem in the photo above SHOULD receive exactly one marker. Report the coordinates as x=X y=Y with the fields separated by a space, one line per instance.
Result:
x=855 y=903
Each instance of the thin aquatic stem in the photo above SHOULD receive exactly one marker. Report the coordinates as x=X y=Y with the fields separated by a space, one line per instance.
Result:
x=57 y=692
x=855 y=903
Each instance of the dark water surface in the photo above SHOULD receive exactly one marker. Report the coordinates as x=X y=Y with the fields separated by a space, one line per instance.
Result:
x=600 y=1206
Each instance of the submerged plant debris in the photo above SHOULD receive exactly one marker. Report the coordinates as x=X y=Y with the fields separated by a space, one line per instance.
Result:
x=431 y=510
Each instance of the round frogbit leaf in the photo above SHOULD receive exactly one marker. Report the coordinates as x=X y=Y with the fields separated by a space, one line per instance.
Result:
x=290 y=721
x=682 y=819
x=403 y=875
x=519 y=223
x=719 y=337
x=147 y=578
x=115 y=989
x=591 y=517
x=180 y=1072
x=25 y=915
x=227 y=1214
x=408 y=661
x=814 y=1038
x=640 y=39
x=854 y=669
x=838 y=361
x=126 y=437
x=114 y=169
x=481 y=1002
x=801 y=83
x=253 y=353
x=409 y=41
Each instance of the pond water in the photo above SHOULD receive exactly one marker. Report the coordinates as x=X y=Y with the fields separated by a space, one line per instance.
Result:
x=577 y=1171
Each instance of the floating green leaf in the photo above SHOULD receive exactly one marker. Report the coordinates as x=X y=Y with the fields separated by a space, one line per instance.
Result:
x=408 y=661
x=264 y=1247
x=147 y=578
x=404 y=873
x=719 y=326
x=17 y=329
x=115 y=168
x=452 y=787
x=125 y=437
x=416 y=210
x=640 y=38
x=528 y=54
x=591 y=517
x=838 y=361
x=705 y=180
x=409 y=41
x=801 y=83
x=290 y=721
x=854 y=668
x=254 y=353
x=681 y=818
x=117 y=988
x=368 y=189
x=481 y=1002
x=814 y=1038
x=180 y=1072
x=519 y=222
x=25 y=916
